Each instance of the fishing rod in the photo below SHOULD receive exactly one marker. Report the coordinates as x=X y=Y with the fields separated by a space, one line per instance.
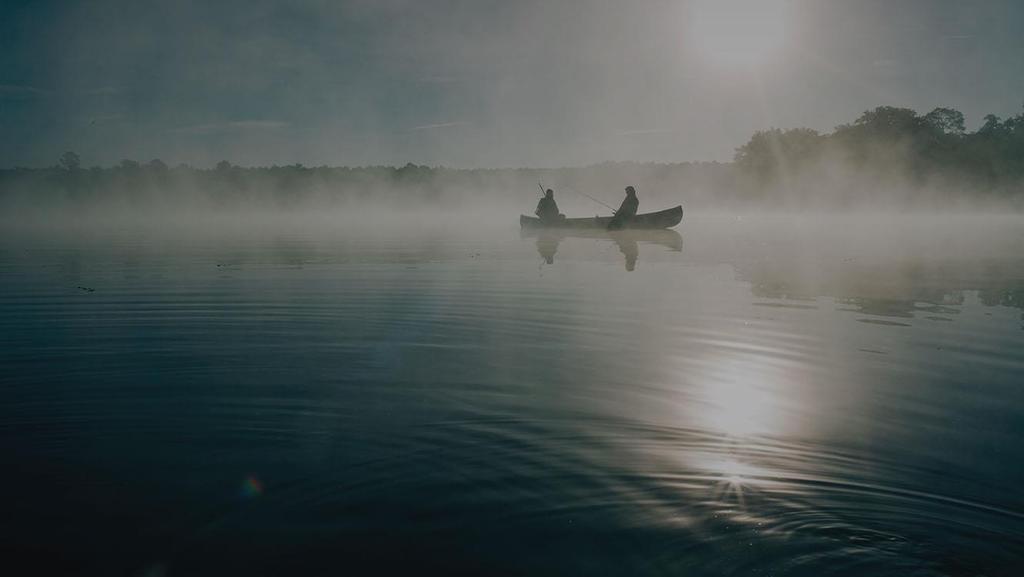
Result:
x=581 y=194
x=592 y=198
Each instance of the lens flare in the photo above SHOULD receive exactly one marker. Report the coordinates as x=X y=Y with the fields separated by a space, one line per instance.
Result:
x=252 y=487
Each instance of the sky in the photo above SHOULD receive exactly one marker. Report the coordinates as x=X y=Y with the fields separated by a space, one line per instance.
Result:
x=480 y=83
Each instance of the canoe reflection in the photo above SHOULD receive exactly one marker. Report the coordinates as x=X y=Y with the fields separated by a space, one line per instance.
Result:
x=627 y=241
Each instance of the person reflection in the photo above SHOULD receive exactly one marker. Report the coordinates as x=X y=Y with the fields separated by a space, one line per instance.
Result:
x=628 y=246
x=626 y=240
x=547 y=246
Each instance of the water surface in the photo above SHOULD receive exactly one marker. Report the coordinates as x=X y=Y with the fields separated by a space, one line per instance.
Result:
x=770 y=395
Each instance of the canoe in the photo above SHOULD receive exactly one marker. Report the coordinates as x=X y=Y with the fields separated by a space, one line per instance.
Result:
x=652 y=220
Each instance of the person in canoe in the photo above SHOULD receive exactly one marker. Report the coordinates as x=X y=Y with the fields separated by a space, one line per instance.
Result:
x=627 y=210
x=547 y=208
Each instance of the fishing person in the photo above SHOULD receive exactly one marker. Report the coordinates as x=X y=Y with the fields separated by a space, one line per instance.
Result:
x=547 y=208
x=627 y=210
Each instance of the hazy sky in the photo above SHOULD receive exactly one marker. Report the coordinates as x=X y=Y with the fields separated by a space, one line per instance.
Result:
x=481 y=82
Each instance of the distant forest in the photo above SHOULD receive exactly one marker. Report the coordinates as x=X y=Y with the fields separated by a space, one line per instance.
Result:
x=887 y=156
x=888 y=152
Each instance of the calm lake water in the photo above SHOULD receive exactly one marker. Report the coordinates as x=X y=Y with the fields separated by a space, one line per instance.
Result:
x=750 y=396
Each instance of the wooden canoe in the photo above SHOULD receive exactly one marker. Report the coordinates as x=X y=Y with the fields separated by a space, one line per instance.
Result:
x=652 y=220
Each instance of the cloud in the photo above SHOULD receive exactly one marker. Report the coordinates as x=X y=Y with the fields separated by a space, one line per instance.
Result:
x=105 y=91
x=645 y=131
x=233 y=126
x=438 y=79
x=101 y=119
x=885 y=63
x=16 y=92
x=440 y=125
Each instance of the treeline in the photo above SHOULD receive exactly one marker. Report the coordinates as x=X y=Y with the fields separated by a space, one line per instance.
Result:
x=888 y=154
x=134 y=184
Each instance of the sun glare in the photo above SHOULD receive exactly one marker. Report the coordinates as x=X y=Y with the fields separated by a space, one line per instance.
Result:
x=738 y=32
x=743 y=397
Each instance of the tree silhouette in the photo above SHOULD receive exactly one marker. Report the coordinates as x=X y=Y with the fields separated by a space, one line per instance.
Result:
x=945 y=120
x=885 y=151
x=770 y=153
x=70 y=161
x=895 y=146
x=992 y=126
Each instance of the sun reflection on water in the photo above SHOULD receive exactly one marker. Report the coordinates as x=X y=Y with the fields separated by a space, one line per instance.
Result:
x=743 y=398
x=746 y=402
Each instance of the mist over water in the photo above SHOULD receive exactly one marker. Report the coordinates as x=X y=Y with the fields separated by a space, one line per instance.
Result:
x=310 y=394
x=268 y=305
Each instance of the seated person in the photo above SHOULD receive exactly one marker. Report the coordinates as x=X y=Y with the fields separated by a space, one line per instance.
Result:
x=626 y=211
x=547 y=208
